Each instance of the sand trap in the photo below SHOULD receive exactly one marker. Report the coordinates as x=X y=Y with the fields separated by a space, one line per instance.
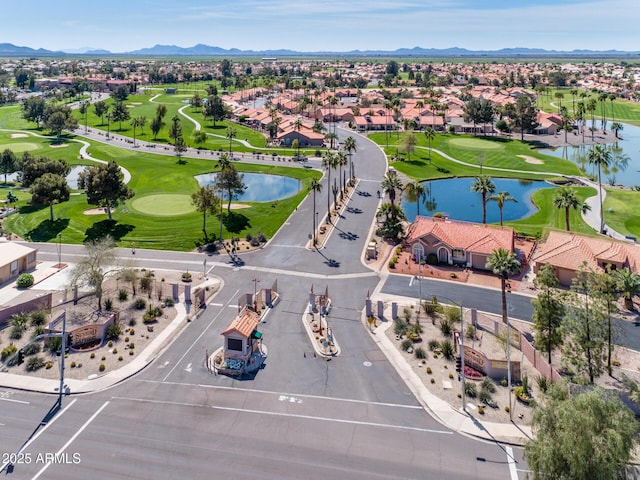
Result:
x=130 y=106
x=19 y=135
x=96 y=211
x=136 y=103
x=59 y=145
x=528 y=159
x=238 y=206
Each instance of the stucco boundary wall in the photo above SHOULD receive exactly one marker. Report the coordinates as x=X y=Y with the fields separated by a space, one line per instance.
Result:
x=42 y=302
x=493 y=324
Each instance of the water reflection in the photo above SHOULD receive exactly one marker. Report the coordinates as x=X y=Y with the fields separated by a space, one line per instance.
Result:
x=261 y=187
x=625 y=158
x=455 y=198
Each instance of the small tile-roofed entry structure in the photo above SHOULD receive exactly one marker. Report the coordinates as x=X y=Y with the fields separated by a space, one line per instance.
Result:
x=15 y=259
x=242 y=344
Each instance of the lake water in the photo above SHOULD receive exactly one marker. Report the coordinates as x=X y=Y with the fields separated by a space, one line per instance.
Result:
x=72 y=178
x=455 y=198
x=628 y=146
x=261 y=187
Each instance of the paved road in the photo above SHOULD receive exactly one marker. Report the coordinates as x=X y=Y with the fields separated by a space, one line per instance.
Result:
x=300 y=417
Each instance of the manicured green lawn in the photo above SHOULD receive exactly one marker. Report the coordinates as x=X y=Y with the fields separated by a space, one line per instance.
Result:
x=488 y=151
x=622 y=211
x=165 y=221
x=550 y=216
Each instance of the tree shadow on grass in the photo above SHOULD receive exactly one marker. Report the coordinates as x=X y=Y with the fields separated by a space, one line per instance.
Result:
x=108 y=227
x=47 y=230
x=235 y=222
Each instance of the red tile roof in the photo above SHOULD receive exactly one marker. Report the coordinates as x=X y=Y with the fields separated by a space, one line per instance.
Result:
x=470 y=237
x=244 y=324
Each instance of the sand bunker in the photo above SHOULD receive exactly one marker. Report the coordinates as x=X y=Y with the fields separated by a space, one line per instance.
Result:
x=19 y=135
x=95 y=211
x=534 y=160
x=59 y=145
x=238 y=206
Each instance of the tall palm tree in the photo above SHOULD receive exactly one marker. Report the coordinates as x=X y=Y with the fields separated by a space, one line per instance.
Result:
x=430 y=133
x=350 y=146
x=567 y=198
x=592 y=103
x=329 y=162
x=298 y=125
x=600 y=156
x=484 y=186
x=224 y=162
x=416 y=192
x=341 y=161
x=503 y=263
x=602 y=98
x=390 y=185
x=559 y=96
x=316 y=187
x=612 y=97
x=231 y=134
x=501 y=198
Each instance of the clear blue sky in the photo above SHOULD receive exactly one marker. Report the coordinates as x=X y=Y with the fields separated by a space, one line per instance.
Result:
x=336 y=25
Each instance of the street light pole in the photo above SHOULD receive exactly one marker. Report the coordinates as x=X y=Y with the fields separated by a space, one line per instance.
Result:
x=63 y=347
x=509 y=361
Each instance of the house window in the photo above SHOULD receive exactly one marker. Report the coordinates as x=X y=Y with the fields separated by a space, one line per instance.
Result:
x=14 y=266
x=458 y=253
x=32 y=257
x=234 y=344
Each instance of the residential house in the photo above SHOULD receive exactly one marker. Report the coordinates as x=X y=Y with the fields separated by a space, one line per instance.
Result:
x=567 y=252
x=455 y=242
x=15 y=259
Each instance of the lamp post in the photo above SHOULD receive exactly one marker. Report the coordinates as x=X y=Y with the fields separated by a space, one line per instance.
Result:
x=509 y=361
x=220 y=239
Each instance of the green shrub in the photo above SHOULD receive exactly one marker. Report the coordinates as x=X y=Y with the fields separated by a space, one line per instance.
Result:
x=103 y=358
x=108 y=304
x=470 y=331
x=248 y=237
x=433 y=344
x=39 y=330
x=122 y=294
x=102 y=367
x=481 y=410
x=132 y=345
x=448 y=351
x=25 y=280
x=406 y=344
x=400 y=326
x=432 y=259
x=139 y=304
x=470 y=389
x=131 y=352
x=110 y=344
x=113 y=332
x=73 y=365
x=35 y=363
x=430 y=308
x=487 y=385
x=392 y=263
x=38 y=318
x=429 y=371
x=446 y=327
x=48 y=365
x=169 y=302
x=453 y=275
x=504 y=383
x=120 y=358
x=93 y=355
x=452 y=314
x=543 y=383
x=420 y=353
x=31 y=349
x=15 y=333
x=8 y=351
x=115 y=350
x=507 y=409
x=433 y=380
x=132 y=322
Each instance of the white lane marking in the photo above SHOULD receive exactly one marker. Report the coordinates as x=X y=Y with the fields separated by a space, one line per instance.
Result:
x=411 y=281
x=164 y=365
x=35 y=437
x=213 y=304
x=197 y=339
x=233 y=306
x=288 y=415
x=14 y=401
x=287 y=398
x=512 y=463
x=75 y=435
x=319 y=397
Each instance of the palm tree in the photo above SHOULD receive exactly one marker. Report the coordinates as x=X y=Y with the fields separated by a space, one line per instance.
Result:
x=484 y=186
x=298 y=125
x=224 y=162
x=567 y=198
x=592 y=103
x=503 y=263
x=231 y=134
x=416 y=192
x=628 y=284
x=617 y=127
x=316 y=187
x=390 y=185
x=341 y=161
x=602 y=98
x=559 y=96
x=600 y=156
x=430 y=133
x=350 y=146
x=329 y=162
x=331 y=137
x=612 y=97
x=501 y=198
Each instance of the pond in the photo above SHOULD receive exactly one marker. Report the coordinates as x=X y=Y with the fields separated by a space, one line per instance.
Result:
x=261 y=187
x=455 y=198
x=72 y=178
x=626 y=152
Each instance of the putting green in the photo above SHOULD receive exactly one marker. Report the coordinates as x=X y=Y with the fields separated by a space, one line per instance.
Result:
x=19 y=147
x=163 y=204
x=475 y=143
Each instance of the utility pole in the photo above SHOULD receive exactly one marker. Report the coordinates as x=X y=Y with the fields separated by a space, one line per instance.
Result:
x=63 y=348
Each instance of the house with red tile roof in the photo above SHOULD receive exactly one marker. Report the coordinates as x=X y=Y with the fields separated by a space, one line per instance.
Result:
x=241 y=341
x=455 y=242
x=567 y=252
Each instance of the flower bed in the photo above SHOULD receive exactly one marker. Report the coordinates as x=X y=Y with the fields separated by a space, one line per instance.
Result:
x=472 y=373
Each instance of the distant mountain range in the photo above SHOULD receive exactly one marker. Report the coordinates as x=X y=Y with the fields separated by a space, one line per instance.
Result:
x=8 y=49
